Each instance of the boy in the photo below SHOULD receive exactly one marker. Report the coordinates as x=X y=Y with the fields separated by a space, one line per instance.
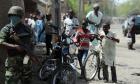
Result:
x=109 y=41
x=83 y=37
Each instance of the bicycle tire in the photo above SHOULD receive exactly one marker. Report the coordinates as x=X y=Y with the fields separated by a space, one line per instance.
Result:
x=95 y=68
x=76 y=63
x=41 y=73
x=59 y=75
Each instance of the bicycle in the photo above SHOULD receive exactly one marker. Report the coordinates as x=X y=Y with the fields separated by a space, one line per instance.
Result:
x=57 y=68
x=93 y=60
x=65 y=73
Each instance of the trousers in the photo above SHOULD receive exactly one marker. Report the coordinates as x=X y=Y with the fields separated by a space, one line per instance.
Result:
x=17 y=71
x=106 y=74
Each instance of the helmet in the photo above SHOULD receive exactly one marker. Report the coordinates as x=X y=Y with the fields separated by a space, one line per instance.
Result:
x=16 y=10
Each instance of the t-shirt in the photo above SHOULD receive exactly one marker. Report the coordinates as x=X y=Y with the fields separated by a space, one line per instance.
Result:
x=93 y=18
x=83 y=39
x=68 y=23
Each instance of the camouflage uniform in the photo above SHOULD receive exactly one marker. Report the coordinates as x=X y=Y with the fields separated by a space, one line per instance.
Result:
x=15 y=69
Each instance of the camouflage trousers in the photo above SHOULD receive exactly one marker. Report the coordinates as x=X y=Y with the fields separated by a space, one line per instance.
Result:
x=16 y=71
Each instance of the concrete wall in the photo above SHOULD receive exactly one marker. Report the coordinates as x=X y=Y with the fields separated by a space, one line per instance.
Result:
x=4 y=7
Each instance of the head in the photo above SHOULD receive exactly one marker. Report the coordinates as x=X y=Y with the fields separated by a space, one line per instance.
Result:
x=31 y=15
x=133 y=19
x=48 y=17
x=26 y=20
x=15 y=14
x=106 y=27
x=96 y=7
x=71 y=14
x=84 y=24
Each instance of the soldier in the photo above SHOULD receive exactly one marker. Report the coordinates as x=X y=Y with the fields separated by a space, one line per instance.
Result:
x=15 y=37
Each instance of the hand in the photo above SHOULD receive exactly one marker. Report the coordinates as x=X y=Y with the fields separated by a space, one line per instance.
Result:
x=109 y=37
x=102 y=36
x=97 y=25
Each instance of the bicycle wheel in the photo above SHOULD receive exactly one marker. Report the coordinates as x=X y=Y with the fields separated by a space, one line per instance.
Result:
x=43 y=73
x=91 y=66
x=75 y=62
x=65 y=74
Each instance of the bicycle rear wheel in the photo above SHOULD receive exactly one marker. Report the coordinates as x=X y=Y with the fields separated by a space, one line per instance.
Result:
x=65 y=74
x=91 y=66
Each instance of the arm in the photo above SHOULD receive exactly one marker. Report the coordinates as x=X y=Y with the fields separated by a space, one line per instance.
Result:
x=90 y=22
x=113 y=39
x=3 y=36
x=88 y=18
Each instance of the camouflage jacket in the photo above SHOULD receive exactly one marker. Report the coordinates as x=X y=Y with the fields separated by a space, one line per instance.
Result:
x=20 y=35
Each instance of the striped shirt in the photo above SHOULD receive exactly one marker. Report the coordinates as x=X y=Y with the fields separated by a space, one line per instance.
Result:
x=83 y=39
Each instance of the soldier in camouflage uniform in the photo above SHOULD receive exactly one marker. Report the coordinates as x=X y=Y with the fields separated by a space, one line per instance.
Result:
x=15 y=36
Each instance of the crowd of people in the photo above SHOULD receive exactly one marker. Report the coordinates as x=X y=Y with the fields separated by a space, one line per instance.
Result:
x=85 y=34
x=17 y=37
x=37 y=23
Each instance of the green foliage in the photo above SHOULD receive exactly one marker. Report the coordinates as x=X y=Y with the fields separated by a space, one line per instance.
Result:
x=107 y=6
x=74 y=5
x=130 y=6
x=87 y=8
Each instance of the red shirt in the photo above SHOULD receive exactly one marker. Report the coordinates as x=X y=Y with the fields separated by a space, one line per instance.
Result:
x=83 y=38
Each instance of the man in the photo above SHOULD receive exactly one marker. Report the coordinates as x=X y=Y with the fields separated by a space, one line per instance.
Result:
x=109 y=41
x=94 y=19
x=31 y=21
x=40 y=36
x=15 y=37
x=48 y=32
x=131 y=34
x=70 y=23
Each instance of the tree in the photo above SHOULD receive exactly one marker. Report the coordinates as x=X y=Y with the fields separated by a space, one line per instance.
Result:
x=128 y=7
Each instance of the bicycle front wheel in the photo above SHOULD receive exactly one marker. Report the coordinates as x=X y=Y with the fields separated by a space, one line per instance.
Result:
x=64 y=75
x=91 y=66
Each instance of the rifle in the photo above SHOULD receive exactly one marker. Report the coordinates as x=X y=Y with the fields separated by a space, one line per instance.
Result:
x=26 y=48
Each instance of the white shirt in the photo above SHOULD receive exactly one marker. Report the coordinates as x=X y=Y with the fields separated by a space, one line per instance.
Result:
x=109 y=49
x=31 y=23
x=75 y=22
x=93 y=18
x=68 y=23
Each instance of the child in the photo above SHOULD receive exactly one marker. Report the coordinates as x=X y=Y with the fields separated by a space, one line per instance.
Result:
x=83 y=38
x=109 y=41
